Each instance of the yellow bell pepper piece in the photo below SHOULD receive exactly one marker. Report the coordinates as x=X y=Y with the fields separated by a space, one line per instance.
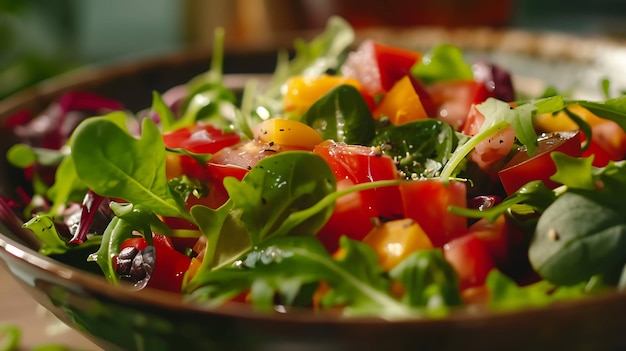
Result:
x=401 y=104
x=287 y=133
x=302 y=92
x=560 y=122
x=395 y=240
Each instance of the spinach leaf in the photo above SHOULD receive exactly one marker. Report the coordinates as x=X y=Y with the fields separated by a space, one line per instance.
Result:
x=578 y=236
x=115 y=164
x=429 y=281
x=342 y=115
x=227 y=236
x=71 y=189
x=420 y=148
x=279 y=186
x=443 y=62
x=22 y=156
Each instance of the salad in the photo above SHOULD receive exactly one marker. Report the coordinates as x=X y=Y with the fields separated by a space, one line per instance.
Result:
x=367 y=179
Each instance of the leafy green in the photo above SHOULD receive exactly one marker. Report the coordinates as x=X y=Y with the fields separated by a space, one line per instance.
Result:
x=43 y=227
x=128 y=219
x=71 y=189
x=52 y=242
x=507 y=295
x=443 y=62
x=115 y=164
x=533 y=197
x=342 y=115
x=166 y=116
x=10 y=337
x=583 y=233
x=282 y=266
x=420 y=148
x=208 y=98
x=498 y=115
x=279 y=186
x=428 y=280
x=611 y=109
x=325 y=52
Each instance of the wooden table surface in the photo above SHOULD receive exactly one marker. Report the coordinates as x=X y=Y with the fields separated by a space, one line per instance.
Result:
x=37 y=325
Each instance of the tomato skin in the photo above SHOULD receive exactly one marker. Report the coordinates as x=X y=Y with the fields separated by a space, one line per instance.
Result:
x=471 y=260
x=361 y=165
x=427 y=202
x=354 y=213
x=378 y=67
x=200 y=138
x=170 y=265
x=521 y=169
x=453 y=100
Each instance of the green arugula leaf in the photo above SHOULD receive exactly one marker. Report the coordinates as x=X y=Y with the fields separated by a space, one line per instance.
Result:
x=342 y=115
x=420 y=148
x=166 y=116
x=52 y=242
x=498 y=115
x=115 y=164
x=505 y=294
x=429 y=281
x=325 y=52
x=533 y=196
x=573 y=172
x=43 y=227
x=611 y=109
x=283 y=266
x=441 y=63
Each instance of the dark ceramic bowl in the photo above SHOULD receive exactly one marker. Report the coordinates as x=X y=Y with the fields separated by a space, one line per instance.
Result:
x=118 y=319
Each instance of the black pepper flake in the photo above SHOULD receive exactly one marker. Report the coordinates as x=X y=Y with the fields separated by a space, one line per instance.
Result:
x=271 y=143
x=263 y=200
x=501 y=141
x=281 y=129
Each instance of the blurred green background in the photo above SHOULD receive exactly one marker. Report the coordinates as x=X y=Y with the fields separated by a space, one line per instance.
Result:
x=42 y=38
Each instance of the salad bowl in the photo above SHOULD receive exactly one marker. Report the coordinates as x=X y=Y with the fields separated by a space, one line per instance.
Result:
x=117 y=318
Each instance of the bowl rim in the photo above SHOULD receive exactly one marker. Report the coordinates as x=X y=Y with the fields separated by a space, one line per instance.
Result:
x=533 y=44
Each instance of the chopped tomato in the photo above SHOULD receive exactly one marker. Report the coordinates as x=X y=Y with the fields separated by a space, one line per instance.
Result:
x=492 y=150
x=471 y=260
x=453 y=99
x=353 y=215
x=610 y=137
x=523 y=168
x=427 y=202
x=201 y=138
x=378 y=67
